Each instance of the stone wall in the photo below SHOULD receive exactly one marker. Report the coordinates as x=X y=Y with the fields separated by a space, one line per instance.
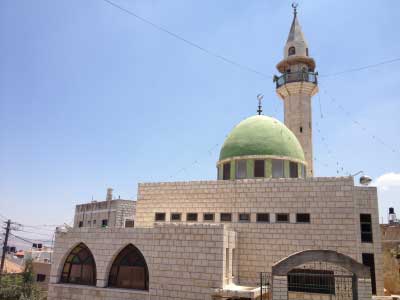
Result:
x=333 y=203
x=185 y=261
x=114 y=211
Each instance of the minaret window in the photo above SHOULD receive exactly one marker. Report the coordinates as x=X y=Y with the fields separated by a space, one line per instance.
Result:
x=306 y=51
x=226 y=172
x=301 y=129
x=259 y=168
x=292 y=51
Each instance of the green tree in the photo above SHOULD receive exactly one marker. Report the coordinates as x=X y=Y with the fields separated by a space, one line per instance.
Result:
x=20 y=286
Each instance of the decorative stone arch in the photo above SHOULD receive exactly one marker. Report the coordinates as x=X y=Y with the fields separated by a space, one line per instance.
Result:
x=64 y=257
x=85 y=259
x=361 y=274
x=117 y=255
x=282 y=267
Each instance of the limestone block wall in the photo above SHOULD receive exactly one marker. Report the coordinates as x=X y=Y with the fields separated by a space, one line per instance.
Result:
x=115 y=212
x=334 y=205
x=185 y=261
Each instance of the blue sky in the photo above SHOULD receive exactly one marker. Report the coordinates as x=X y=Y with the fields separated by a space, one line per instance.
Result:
x=91 y=97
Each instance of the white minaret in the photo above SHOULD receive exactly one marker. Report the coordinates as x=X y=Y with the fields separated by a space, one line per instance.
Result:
x=296 y=86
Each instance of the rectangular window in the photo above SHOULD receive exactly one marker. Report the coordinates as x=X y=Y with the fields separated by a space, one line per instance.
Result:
x=226 y=173
x=259 y=168
x=241 y=169
x=89 y=223
x=311 y=281
x=94 y=222
x=192 y=217
x=175 y=217
x=226 y=217
x=282 y=218
x=366 y=228
x=277 y=168
x=208 y=217
x=244 y=217
x=293 y=170
x=129 y=223
x=80 y=224
x=159 y=217
x=369 y=261
x=263 y=217
x=40 y=277
x=104 y=223
x=303 y=218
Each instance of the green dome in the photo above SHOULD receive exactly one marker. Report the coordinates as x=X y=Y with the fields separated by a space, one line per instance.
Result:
x=262 y=135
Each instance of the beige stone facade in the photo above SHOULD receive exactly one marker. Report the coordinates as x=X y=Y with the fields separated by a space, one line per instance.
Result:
x=202 y=259
x=112 y=213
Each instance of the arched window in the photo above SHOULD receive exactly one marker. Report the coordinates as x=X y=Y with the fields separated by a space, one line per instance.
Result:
x=292 y=51
x=129 y=270
x=79 y=267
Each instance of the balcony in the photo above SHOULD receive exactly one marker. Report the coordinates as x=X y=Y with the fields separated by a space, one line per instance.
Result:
x=296 y=77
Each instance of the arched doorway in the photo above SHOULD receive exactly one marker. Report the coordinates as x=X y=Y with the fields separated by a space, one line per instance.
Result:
x=324 y=274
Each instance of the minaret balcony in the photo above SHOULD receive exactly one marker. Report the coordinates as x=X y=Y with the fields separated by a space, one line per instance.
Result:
x=296 y=77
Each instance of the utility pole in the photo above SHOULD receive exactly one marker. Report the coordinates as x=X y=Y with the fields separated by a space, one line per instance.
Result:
x=3 y=255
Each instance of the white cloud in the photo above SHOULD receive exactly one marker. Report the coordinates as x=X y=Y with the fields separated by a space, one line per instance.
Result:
x=387 y=181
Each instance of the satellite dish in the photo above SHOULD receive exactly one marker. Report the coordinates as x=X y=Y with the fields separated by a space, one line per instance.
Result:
x=365 y=180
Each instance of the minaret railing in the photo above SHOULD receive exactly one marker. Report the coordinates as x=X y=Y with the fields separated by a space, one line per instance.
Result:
x=296 y=77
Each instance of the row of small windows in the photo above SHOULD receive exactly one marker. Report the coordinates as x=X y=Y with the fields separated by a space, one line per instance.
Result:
x=104 y=223
x=242 y=169
x=227 y=217
x=129 y=269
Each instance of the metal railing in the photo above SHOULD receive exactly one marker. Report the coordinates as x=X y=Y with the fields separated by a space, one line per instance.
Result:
x=296 y=77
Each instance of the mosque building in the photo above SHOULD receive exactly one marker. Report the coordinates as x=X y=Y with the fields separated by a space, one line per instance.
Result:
x=265 y=229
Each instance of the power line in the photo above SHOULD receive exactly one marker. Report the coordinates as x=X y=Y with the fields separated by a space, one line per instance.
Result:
x=361 y=68
x=188 y=42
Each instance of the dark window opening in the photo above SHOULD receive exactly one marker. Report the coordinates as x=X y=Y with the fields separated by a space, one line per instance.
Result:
x=191 y=217
x=244 y=217
x=301 y=129
x=104 y=223
x=277 y=168
x=208 y=217
x=175 y=217
x=79 y=267
x=303 y=218
x=129 y=270
x=311 y=281
x=241 y=169
x=40 y=277
x=306 y=51
x=94 y=222
x=282 y=218
x=80 y=224
x=369 y=261
x=159 y=217
x=288 y=71
x=263 y=217
x=226 y=173
x=129 y=223
x=259 y=168
x=226 y=217
x=366 y=228
x=294 y=171
x=292 y=51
